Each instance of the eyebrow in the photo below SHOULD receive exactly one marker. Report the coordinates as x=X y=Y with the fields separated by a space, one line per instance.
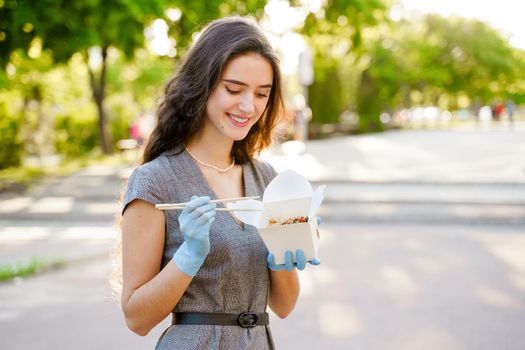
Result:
x=268 y=86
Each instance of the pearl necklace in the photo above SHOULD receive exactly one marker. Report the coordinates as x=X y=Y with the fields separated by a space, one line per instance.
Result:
x=220 y=170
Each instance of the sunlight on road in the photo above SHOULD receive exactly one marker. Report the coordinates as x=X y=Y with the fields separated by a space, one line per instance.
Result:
x=502 y=211
x=339 y=319
x=12 y=205
x=427 y=265
x=399 y=284
x=496 y=297
x=517 y=280
x=52 y=205
x=427 y=338
x=304 y=163
x=21 y=233
x=101 y=208
x=509 y=250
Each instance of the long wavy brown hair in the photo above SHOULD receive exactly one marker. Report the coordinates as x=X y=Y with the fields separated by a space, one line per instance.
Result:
x=182 y=111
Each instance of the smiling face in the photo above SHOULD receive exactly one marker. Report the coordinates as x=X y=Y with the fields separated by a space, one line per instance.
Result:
x=240 y=97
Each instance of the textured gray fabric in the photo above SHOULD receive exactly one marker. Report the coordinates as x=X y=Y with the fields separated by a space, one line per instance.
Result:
x=234 y=277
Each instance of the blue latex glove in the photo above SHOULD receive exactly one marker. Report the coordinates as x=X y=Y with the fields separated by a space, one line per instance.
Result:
x=289 y=265
x=195 y=222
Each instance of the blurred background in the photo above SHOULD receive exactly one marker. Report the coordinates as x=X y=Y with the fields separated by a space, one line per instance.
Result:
x=412 y=112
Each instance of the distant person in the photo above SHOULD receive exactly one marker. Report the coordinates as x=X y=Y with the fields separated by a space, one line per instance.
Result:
x=493 y=115
x=499 y=109
x=476 y=109
x=510 y=110
x=213 y=273
x=299 y=125
x=134 y=132
x=142 y=127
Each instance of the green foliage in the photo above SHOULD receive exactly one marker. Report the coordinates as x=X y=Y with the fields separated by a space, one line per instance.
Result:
x=65 y=29
x=382 y=66
x=68 y=27
x=28 y=268
x=133 y=87
x=141 y=79
x=338 y=36
x=466 y=56
x=18 y=178
x=75 y=136
x=325 y=97
x=345 y=20
x=20 y=269
x=11 y=147
x=362 y=62
x=195 y=14
x=422 y=62
x=38 y=91
x=120 y=127
x=515 y=90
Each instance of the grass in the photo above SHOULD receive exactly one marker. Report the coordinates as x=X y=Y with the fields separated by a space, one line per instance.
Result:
x=23 y=269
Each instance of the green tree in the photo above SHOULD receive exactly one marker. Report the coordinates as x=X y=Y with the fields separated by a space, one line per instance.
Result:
x=11 y=145
x=337 y=33
x=75 y=26
x=479 y=61
x=444 y=60
x=66 y=28
x=193 y=14
x=25 y=106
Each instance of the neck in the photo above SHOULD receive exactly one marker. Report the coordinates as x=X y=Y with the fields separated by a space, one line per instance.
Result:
x=210 y=149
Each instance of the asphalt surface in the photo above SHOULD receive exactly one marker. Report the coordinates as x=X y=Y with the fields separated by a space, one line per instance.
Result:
x=422 y=241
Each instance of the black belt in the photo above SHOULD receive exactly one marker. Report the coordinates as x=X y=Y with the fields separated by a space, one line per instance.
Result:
x=244 y=320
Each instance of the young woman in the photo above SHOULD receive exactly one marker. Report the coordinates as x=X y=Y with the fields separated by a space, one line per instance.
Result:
x=214 y=274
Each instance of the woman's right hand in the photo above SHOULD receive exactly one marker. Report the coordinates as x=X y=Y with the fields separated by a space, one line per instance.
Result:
x=195 y=222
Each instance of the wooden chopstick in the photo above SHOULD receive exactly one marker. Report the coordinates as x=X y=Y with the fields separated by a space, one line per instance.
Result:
x=238 y=209
x=167 y=206
x=216 y=209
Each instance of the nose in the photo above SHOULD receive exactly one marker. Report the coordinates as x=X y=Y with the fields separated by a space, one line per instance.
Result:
x=246 y=105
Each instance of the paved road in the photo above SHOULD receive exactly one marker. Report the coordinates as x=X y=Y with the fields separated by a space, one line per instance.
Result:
x=408 y=263
x=463 y=156
x=379 y=287
x=399 y=287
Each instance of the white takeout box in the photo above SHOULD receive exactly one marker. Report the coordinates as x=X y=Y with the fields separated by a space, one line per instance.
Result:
x=289 y=195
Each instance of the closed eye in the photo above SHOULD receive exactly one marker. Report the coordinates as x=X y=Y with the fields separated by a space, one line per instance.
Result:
x=233 y=92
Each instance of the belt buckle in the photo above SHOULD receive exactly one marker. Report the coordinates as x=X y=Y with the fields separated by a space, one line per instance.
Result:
x=247 y=319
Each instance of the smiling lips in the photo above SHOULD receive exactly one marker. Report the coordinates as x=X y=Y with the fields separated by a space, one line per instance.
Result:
x=238 y=120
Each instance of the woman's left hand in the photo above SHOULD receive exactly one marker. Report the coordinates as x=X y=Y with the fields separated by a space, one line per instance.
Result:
x=289 y=265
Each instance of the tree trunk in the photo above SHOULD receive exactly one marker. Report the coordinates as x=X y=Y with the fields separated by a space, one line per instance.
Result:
x=98 y=87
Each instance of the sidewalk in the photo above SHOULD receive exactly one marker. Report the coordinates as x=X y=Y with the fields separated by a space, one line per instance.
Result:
x=385 y=282
x=72 y=218
x=466 y=156
x=63 y=219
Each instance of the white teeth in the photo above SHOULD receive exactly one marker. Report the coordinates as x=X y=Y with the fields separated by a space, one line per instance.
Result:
x=238 y=120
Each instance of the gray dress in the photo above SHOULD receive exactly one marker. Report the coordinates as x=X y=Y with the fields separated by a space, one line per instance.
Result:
x=234 y=277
